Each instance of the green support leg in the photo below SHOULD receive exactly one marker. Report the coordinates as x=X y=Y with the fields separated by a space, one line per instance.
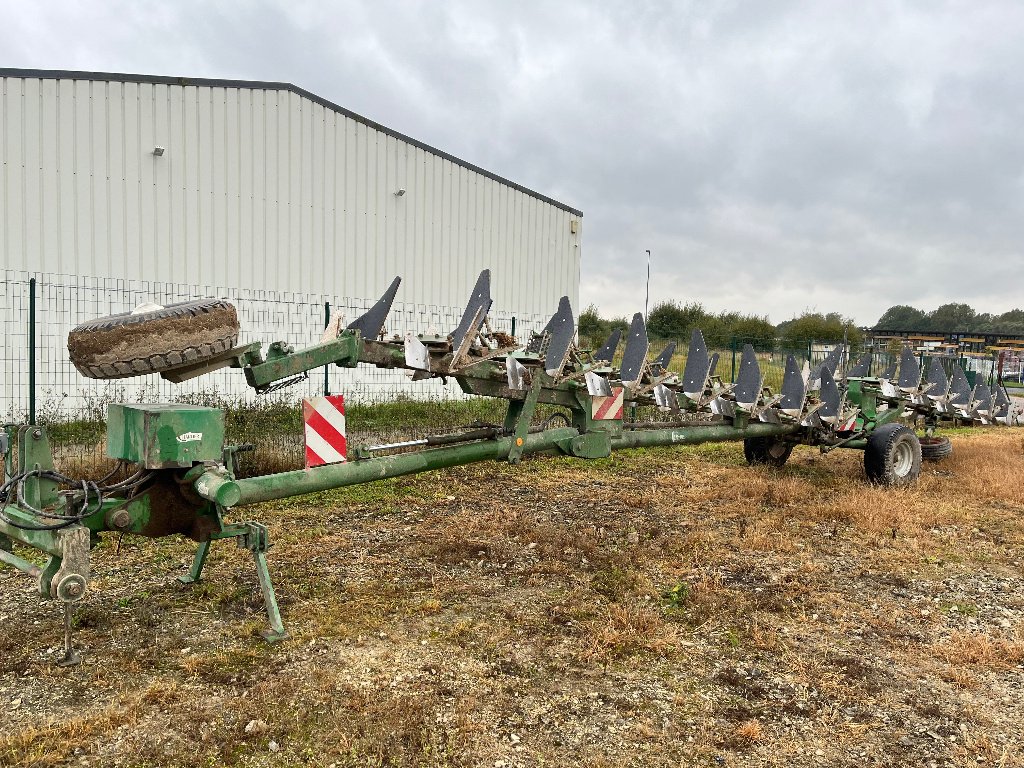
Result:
x=275 y=632
x=46 y=577
x=196 y=571
x=255 y=538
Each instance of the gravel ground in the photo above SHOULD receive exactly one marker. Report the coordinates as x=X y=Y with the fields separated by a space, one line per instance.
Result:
x=661 y=608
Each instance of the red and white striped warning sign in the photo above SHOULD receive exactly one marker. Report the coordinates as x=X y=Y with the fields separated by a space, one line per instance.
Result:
x=608 y=406
x=325 y=430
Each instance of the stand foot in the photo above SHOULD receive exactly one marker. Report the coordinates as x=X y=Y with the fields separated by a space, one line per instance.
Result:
x=71 y=658
x=196 y=571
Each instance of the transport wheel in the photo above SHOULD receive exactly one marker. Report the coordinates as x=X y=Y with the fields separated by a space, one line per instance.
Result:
x=766 y=451
x=892 y=456
x=935 y=448
x=152 y=338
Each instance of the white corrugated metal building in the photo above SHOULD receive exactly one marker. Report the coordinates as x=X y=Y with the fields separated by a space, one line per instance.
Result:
x=257 y=189
x=260 y=185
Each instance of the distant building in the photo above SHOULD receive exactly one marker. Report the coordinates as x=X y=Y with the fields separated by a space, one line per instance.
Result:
x=988 y=352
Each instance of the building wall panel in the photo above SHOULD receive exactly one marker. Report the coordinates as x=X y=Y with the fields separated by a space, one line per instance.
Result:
x=260 y=188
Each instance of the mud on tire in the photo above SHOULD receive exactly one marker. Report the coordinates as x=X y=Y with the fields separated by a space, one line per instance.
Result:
x=123 y=345
x=766 y=451
x=892 y=456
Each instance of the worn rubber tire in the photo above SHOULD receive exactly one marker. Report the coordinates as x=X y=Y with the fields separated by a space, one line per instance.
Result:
x=123 y=345
x=935 y=448
x=766 y=451
x=893 y=456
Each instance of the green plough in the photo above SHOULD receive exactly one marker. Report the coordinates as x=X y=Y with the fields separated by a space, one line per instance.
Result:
x=178 y=477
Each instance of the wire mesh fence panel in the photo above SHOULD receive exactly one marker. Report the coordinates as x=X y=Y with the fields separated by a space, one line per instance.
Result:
x=14 y=323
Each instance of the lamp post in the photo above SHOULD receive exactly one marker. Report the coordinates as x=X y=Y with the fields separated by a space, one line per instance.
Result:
x=647 y=297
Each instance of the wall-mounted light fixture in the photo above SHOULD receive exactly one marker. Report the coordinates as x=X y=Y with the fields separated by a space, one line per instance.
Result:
x=400 y=192
x=158 y=151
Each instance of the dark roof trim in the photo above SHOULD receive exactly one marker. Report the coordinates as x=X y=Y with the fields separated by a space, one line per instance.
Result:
x=65 y=74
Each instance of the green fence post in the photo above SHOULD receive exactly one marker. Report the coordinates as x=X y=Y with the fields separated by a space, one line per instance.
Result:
x=327 y=368
x=32 y=350
x=732 y=344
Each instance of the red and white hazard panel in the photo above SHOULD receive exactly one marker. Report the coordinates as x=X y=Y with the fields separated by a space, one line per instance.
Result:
x=608 y=406
x=324 y=418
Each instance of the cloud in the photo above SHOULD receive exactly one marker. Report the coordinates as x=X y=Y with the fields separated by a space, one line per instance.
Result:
x=773 y=156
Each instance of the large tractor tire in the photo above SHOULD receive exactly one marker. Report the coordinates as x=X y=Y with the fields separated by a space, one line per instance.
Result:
x=152 y=339
x=935 y=448
x=893 y=456
x=766 y=451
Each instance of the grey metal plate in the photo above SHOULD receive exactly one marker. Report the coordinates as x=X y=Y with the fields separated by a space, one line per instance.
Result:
x=698 y=366
x=371 y=323
x=862 y=368
x=635 y=355
x=937 y=378
x=562 y=328
x=661 y=361
x=714 y=364
x=473 y=318
x=794 y=388
x=831 y=399
x=1001 y=403
x=910 y=370
x=984 y=395
x=890 y=372
x=606 y=353
x=833 y=359
x=749 y=379
x=960 y=389
x=665 y=398
x=416 y=353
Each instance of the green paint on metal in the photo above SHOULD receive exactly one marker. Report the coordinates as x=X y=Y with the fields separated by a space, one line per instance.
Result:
x=592 y=445
x=196 y=571
x=164 y=435
x=282 y=362
x=692 y=435
x=518 y=419
x=215 y=485
x=285 y=484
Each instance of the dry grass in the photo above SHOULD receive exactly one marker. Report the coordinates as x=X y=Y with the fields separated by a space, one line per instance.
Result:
x=980 y=649
x=659 y=608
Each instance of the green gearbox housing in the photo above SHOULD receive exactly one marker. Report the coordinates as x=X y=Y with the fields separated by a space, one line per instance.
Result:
x=166 y=435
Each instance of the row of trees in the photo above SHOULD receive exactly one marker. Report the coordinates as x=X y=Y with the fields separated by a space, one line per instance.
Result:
x=672 y=320
x=950 y=318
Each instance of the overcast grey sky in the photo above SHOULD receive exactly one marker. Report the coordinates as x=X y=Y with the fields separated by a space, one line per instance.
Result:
x=774 y=156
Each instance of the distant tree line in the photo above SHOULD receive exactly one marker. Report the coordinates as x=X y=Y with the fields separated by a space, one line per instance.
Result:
x=950 y=318
x=672 y=320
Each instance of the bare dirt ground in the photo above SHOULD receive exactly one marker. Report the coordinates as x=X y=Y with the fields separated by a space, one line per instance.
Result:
x=660 y=608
